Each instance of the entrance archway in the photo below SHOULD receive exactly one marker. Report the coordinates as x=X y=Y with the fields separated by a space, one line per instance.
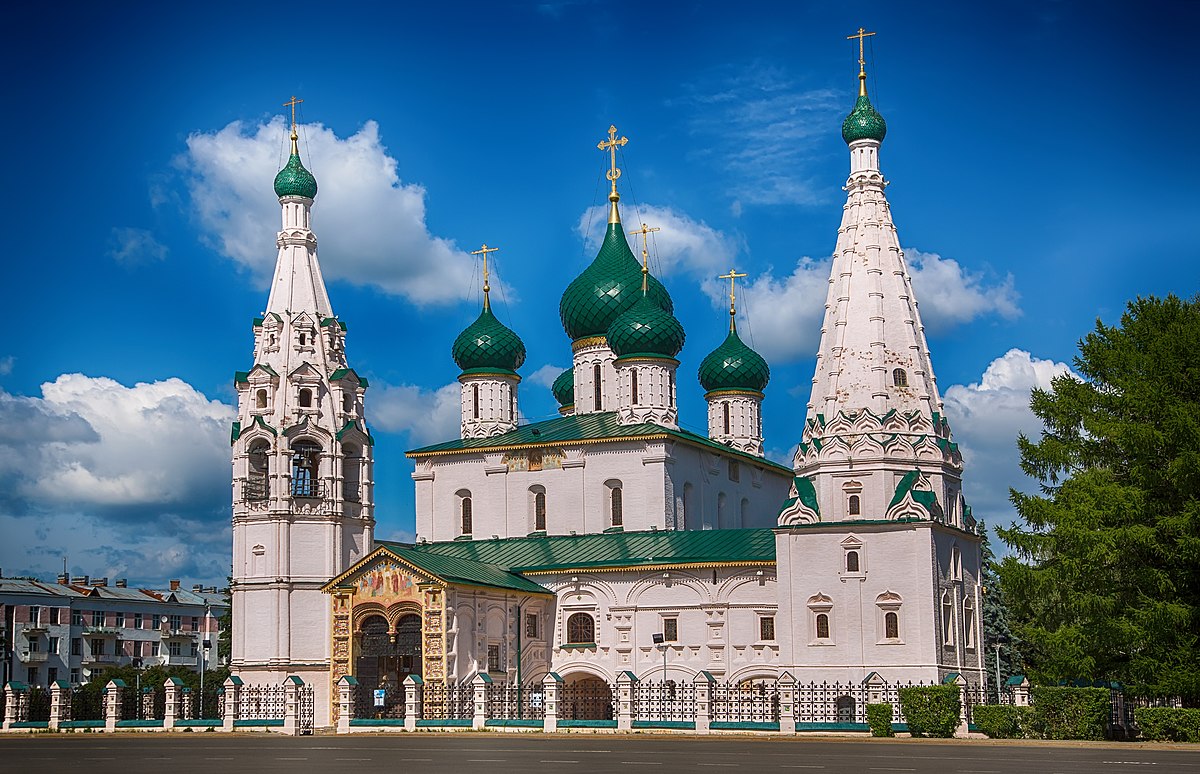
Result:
x=385 y=657
x=586 y=698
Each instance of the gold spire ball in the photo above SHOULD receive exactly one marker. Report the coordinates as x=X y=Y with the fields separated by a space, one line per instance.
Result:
x=611 y=145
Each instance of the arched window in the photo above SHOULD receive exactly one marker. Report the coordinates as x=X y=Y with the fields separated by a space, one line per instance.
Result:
x=258 y=472
x=351 y=473
x=306 y=465
x=615 y=505
x=900 y=377
x=955 y=563
x=260 y=399
x=303 y=339
x=581 y=629
x=854 y=507
x=633 y=386
x=347 y=401
x=725 y=408
x=822 y=626
x=539 y=511
x=968 y=623
x=851 y=561
x=948 y=618
x=670 y=388
x=891 y=625
x=465 y=510
x=305 y=398
x=596 y=392
x=475 y=401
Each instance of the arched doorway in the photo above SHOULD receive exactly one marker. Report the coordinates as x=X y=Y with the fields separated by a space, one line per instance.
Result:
x=385 y=658
x=586 y=698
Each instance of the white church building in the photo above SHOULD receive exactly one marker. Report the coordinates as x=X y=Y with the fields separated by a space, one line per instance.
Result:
x=609 y=540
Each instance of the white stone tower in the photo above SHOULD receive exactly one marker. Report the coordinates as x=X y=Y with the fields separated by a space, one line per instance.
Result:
x=875 y=541
x=302 y=470
x=489 y=354
x=733 y=377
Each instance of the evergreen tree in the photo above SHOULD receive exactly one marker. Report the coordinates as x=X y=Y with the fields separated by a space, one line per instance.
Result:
x=996 y=628
x=1105 y=582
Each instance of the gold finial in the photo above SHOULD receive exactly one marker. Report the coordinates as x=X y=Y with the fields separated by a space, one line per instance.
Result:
x=614 y=171
x=644 y=231
x=486 y=287
x=292 y=104
x=731 y=276
x=862 y=63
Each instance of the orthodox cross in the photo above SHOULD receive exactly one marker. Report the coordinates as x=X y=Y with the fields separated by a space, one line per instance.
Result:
x=862 y=33
x=732 y=276
x=292 y=104
x=486 y=288
x=611 y=145
x=644 y=231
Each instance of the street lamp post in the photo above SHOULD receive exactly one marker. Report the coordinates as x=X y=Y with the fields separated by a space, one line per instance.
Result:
x=1002 y=639
x=137 y=667
x=204 y=646
x=661 y=644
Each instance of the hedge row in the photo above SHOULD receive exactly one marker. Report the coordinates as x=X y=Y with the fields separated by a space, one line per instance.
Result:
x=1056 y=713
x=879 y=718
x=1167 y=724
x=931 y=710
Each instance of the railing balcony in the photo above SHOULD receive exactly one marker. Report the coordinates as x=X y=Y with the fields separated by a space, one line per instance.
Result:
x=180 y=660
x=33 y=630
x=176 y=634
x=305 y=487
x=101 y=631
x=100 y=658
x=36 y=656
x=255 y=489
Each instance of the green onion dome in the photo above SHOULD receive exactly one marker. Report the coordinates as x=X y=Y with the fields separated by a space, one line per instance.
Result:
x=295 y=180
x=734 y=366
x=564 y=388
x=646 y=329
x=488 y=345
x=608 y=287
x=864 y=122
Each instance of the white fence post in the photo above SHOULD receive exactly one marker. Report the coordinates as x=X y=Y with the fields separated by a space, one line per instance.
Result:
x=703 y=684
x=233 y=696
x=347 y=688
x=60 y=703
x=480 y=684
x=16 y=703
x=625 y=681
x=291 y=686
x=787 y=703
x=413 y=690
x=114 y=692
x=171 y=705
x=550 y=685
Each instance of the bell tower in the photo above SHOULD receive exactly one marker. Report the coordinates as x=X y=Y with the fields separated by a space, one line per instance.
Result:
x=302 y=460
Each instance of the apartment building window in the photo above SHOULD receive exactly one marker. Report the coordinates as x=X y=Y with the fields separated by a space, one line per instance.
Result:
x=173 y=648
x=74 y=676
x=77 y=618
x=98 y=647
x=76 y=646
x=195 y=623
x=52 y=646
x=51 y=675
x=120 y=620
x=35 y=613
x=97 y=618
x=137 y=620
x=34 y=645
x=175 y=622
x=195 y=649
x=33 y=676
x=54 y=612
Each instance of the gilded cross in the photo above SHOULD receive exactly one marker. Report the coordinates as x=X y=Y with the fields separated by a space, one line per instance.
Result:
x=292 y=104
x=611 y=145
x=732 y=276
x=486 y=288
x=862 y=33
x=644 y=231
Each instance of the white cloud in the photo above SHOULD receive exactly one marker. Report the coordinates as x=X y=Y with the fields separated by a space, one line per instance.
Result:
x=783 y=315
x=132 y=246
x=6 y=365
x=545 y=375
x=427 y=416
x=760 y=128
x=949 y=295
x=681 y=246
x=124 y=479
x=370 y=223
x=986 y=418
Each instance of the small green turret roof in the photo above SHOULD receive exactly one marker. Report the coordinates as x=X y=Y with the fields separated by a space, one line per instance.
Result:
x=608 y=287
x=564 y=388
x=295 y=180
x=734 y=366
x=864 y=121
x=487 y=344
x=646 y=329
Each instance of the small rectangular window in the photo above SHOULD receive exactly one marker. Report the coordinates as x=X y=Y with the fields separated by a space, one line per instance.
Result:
x=671 y=629
x=54 y=613
x=35 y=613
x=76 y=646
x=97 y=618
x=531 y=626
x=74 y=676
x=493 y=661
x=97 y=647
x=735 y=473
x=175 y=622
x=52 y=645
x=33 y=676
x=51 y=675
x=766 y=628
x=77 y=618
x=120 y=620
x=34 y=645
x=137 y=620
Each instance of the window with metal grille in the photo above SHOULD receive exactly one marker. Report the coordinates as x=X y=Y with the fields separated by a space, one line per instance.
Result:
x=616 y=505
x=822 y=626
x=466 y=515
x=633 y=386
x=581 y=629
x=671 y=629
x=891 y=626
x=851 y=561
x=596 y=393
x=854 y=507
x=766 y=627
x=539 y=511
x=900 y=377
x=493 y=661
x=306 y=461
x=531 y=626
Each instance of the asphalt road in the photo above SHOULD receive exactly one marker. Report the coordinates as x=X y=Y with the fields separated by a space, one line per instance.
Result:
x=493 y=753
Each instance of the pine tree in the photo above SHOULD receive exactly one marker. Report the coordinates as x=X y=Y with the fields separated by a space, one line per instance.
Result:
x=996 y=628
x=1105 y=581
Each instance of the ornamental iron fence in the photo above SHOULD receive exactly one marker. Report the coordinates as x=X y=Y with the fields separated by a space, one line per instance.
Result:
x=750 y=701
x=587 y=700
x=448 y=701
x=39 y=705
x=305 y=709
x=262 y=702
x=380 y=703
x=513 y=701
x=664 y=701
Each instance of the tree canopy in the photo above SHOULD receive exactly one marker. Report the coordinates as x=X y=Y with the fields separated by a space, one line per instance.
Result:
x=1104 y=582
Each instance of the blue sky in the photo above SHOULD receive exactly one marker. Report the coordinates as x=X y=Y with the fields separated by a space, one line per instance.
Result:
x=1036 y=183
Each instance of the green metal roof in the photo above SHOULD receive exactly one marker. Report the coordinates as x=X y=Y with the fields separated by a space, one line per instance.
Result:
x=733 y=366
x=864 y=122
x=619 y=549
x=489 y=344
x=564 y=388
x=597 y=427
x=462 y=569
x=295 y=180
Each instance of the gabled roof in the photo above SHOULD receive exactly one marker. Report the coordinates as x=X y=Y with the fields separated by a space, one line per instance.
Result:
x=598 y=427
x=608 y=550
x=451 y=569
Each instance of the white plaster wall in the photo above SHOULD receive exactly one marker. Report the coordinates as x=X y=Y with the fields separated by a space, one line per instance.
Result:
x=497 y=406
x=745 y=421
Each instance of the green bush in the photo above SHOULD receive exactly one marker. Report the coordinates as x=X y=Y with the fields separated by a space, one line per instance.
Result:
x=1069 y=713
x=1001 y=721
x=879 y=718
x=930 y=710
x=1164 y=724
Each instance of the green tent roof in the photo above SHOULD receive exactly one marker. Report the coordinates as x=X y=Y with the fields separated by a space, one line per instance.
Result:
x=596 y=427
x=619 y=549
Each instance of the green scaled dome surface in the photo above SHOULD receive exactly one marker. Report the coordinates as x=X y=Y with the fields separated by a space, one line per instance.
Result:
x=864 y=122
x=564 y=387
x=646 y=329
x=734 y=366
x=487 y=344
x=608 y=287
x=295 y=180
